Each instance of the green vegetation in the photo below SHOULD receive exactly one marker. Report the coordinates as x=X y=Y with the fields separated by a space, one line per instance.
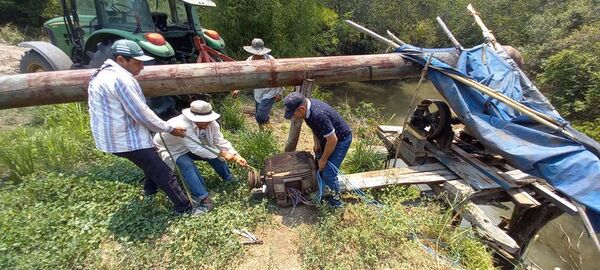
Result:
x=63 y=204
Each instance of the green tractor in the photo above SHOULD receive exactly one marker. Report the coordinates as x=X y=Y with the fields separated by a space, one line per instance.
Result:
x=168 y=30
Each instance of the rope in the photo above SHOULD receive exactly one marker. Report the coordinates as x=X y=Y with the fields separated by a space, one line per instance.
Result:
x=179 y=174
x=410 y=105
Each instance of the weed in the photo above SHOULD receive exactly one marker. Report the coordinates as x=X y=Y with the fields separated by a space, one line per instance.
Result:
x=256 y=146
x=232 y=118
x=10 y=34
x=363 y=158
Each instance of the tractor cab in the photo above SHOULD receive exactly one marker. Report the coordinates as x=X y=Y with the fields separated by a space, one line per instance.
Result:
x=168 y=30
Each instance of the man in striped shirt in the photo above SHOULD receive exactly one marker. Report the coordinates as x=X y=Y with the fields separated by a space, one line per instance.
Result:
x=122 y=122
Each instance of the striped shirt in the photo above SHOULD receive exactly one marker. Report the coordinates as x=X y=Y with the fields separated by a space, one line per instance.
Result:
x=261 y=94
x=120 y=119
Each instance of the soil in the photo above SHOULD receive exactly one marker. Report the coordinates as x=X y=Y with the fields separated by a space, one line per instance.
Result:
x=9 y=65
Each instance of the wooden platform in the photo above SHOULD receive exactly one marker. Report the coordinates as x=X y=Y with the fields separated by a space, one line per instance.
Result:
x=463 y=173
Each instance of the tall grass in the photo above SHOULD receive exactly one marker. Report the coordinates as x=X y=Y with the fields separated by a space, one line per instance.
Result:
x=363 y=158
x=232 y=117
x=392 y=236
x=60 y=143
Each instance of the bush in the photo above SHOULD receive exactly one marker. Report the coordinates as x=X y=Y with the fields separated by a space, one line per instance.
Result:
x=10 y=34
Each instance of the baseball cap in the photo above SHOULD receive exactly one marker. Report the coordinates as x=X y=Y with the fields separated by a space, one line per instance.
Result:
x=291 y=103
x=129 y=48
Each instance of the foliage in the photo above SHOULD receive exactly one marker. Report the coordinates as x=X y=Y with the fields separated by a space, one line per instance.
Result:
x=572 y=80
x=290 y=28
x=591 y=128
x=30 y=13
x=256 y=146
x=231 y=118
x=10 y=34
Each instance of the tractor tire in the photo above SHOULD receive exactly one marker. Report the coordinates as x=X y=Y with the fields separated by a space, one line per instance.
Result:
x=33 y=62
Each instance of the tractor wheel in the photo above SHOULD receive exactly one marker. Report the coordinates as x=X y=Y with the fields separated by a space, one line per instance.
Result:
x=33 y=62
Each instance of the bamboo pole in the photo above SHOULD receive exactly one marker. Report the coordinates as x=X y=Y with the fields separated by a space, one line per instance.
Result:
x=487 y=34
x=448 y=33
x=363 y=29
x=395 y=38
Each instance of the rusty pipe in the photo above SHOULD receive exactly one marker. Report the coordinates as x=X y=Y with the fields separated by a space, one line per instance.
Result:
x=71 y=86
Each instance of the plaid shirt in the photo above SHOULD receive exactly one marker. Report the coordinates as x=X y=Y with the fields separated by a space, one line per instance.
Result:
x=120 y=119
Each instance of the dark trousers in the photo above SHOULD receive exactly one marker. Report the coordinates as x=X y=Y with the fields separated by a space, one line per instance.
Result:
x=158 y=175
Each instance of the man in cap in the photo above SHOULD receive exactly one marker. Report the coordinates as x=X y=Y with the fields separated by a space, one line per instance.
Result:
x=203 y=140
x=332 y=136
x=264 y=98
x=121 y=122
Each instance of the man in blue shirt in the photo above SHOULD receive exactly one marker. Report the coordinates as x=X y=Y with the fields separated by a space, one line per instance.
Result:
x=331 y=134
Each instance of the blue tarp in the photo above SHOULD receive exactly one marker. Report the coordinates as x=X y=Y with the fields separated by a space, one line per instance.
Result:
x=573 y=167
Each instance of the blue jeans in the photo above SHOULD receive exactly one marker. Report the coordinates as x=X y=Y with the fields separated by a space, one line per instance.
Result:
x=192 y=176
x=263 y=109
x=339 y=153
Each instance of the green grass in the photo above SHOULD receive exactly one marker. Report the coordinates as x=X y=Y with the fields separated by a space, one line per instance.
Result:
x=66 y=205
x=10 y=34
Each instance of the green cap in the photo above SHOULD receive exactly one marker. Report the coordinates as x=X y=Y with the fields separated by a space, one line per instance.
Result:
x=129 y=48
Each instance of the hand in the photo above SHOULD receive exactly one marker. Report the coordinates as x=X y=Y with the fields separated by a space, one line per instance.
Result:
x=235 y=93
x=322 y=164
x=277 y=98
x=227 y=156
x=241 y=161
x=178 y=131
x=317 y=148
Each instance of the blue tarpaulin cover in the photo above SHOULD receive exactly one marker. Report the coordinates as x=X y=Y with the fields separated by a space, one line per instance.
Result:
x=572 y=167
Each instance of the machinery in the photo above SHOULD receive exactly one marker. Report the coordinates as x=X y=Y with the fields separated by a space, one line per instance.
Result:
x=283 y=172
x=168 y=30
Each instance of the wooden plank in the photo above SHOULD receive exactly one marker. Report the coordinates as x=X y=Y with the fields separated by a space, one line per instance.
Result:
x=519 y=177
x=473 y=214
x=429 y=173
x=474 y=177
x=561 y=202
x=389 y=129
x=522 y=197
x=486 y=170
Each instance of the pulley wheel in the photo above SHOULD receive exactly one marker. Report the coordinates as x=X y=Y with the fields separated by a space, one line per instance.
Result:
x=432 y=118
x=254 y=180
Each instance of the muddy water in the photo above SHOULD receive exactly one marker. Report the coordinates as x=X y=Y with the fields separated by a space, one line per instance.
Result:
x=559 y=244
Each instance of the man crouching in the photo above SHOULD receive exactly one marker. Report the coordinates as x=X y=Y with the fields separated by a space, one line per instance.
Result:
x=203 y=140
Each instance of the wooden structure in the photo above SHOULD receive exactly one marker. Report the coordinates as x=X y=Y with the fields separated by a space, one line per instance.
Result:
x=467 y=174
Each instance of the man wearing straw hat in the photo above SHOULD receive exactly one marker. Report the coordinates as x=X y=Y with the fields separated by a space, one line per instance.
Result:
x=264 y=98
x=203 y=141
x=121 y=122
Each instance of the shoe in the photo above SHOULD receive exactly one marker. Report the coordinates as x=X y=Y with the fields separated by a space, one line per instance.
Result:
x=198 y=211
x=335 y=201
x=208 y=203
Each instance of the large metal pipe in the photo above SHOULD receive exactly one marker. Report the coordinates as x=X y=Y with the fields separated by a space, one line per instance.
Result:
x=70 y=86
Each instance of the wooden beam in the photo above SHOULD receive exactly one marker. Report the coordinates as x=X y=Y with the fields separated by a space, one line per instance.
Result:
x=550 y=195
x=296 y=124
x=164 y=80
x=459 y=190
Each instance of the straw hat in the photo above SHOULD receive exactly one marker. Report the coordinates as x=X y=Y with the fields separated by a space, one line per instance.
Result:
x=200 y=111
x=257 y=48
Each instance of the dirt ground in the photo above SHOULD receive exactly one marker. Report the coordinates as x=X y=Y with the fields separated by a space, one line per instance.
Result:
x=9 y=65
